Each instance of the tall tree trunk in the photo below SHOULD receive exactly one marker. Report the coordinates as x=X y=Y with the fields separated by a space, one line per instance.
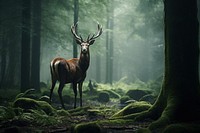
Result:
x=25 y=45
x=35 y=65
x=107 y=49
x=179 y=100
x=98 y=68
x=111 y=41
x=76 y=10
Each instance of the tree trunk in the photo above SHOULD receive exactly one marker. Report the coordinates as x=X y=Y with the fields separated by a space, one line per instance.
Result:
x=76 y=10
x=179 y=100
x=35 y=65
x=98 y=68
x=111 y=41
x=25 y=46
x=107 y=49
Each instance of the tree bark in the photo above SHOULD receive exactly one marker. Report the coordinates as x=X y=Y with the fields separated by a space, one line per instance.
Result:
x=35 y=65
x=179 y=98
x=25 y=45
x=76 y=10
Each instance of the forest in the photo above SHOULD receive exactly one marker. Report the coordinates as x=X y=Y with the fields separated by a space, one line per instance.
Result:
x=103 y=66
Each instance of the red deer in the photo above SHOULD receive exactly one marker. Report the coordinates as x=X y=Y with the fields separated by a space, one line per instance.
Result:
x=73 y=70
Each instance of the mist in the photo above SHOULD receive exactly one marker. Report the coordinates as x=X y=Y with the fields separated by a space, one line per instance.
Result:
x=137 y=38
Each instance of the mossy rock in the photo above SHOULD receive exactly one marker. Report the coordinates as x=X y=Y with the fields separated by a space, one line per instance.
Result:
x=103 y=97
x=28 y=103
x=133 y=108
x=137 y=94
x=148 y=98
x=87 y=128
x=124 y=99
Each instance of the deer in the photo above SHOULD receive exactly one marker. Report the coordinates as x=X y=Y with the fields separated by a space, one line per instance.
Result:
x=73 y=70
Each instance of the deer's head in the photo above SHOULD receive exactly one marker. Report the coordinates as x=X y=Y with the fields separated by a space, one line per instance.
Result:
x=90 y=39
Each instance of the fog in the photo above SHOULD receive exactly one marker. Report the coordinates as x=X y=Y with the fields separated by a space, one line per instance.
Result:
x=138 y=38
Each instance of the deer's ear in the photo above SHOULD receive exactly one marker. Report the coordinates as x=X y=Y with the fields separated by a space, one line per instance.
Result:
x=91 y=42
x=78 y=41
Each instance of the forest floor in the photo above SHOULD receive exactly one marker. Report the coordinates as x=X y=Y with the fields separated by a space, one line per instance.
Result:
x=31 y=112
x=77 y=116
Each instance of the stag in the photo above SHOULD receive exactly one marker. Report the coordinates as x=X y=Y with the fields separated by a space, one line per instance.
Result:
x=73 y=70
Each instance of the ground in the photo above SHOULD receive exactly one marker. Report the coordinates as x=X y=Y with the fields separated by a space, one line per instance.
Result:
x=30 y=112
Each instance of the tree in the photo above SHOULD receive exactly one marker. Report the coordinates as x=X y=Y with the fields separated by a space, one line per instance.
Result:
x=178 y=101
x=25 y=45
x=35 y=64
x=109 y=42
x=76 y=10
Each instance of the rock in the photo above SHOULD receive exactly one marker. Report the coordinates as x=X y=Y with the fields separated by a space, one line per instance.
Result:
x=148 y=98
x=137 y=94
x=103 y=97
x=124 y=99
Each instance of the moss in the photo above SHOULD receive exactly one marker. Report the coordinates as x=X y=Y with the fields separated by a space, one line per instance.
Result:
x=6 y=113
x=28 y=103
x=79 y=110
x=87 y=128
x=46 y=107
x=62 y=112
x=133 y=108
x=124 y=99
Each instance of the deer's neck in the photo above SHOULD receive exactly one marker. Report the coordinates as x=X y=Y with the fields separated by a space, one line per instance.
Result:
x=84 y=61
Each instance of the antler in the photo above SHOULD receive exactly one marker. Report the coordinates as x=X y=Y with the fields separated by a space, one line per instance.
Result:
x=99 y=32
x=73 y=30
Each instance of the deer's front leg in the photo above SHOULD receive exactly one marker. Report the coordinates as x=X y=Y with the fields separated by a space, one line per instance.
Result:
x=80 y=92
x=75 y=93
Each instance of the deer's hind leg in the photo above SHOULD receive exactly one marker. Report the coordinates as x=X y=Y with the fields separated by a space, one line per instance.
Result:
x=75 y=93
x=53 y=82
x=61 y=85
